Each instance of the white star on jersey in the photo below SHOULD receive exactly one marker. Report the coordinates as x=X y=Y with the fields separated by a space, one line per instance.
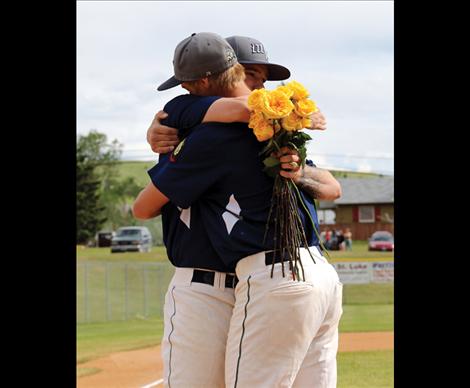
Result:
x=230 y=217
x=185 y=216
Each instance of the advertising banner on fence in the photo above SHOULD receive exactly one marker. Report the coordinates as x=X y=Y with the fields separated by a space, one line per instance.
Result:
x=353 y=273
x=365 y=272
x=382 y=272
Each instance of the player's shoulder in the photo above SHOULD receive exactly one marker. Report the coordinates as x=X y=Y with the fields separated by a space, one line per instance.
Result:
x=220 y=138
x=185 y=100
x=182 y=99
x=221 y=131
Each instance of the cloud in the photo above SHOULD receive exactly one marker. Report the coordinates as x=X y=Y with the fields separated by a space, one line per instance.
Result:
x=341 y=51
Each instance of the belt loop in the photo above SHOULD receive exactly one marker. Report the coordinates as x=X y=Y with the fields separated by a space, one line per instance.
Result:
x=217 y=278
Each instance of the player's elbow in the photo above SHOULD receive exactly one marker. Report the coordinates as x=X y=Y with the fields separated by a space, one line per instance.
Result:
x=142 y=212
x=330 y=191
x=334 y=190
x=244 y=114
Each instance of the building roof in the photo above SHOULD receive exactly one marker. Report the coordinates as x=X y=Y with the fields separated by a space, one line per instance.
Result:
x=356 y=191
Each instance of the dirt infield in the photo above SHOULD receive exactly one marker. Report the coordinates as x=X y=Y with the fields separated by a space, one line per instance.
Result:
x=137 y=368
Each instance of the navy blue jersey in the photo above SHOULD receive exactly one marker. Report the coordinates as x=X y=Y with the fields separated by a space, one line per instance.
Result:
x=184 y=234
x=218 y=167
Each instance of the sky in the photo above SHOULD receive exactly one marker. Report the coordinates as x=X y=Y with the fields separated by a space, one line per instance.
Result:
x=342 y=51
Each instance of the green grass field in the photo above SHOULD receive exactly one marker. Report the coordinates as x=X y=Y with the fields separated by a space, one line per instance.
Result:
x=372 y=310
x=137 y=170
x=357 y=369
x=365 y=369
x=363 y=318
x=366 y=307
x=361 y=369
x=102 y=295
x=366 y=294
x=158 y=253
x=360 y=252
x=96 y=340
x=117 y=291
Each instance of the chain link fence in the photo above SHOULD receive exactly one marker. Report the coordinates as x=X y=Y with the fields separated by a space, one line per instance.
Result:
x=108 y=291
x=121 y=291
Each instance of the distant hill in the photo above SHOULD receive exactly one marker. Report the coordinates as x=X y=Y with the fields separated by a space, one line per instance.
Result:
x=139 y=171
x=354 y=174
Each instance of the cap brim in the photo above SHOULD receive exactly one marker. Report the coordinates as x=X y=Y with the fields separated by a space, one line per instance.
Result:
x=275 y=72
x=170 y=83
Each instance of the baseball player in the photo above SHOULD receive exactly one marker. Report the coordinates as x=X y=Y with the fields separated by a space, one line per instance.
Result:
x=251 y=53
x=200 y=297
x=232 y=194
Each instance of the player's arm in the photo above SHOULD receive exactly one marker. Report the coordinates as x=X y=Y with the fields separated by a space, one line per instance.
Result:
x=228 y=110
x=316 y=182
x=318 y=121
x=162 y=139
x=149 y=203
x=235 y=109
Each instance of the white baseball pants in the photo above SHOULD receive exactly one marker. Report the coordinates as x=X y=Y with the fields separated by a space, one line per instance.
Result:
x=284 y=333
x=196 y=322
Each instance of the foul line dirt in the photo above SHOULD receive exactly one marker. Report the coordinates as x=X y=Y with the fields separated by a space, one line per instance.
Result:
x=136 y=368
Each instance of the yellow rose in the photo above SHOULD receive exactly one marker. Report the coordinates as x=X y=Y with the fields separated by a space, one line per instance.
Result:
x=264 y=133
x=306 y=123
x=262 y=128
x=279 y=105
x=299 y=91
x=257 y=99
x=293 y=122
x=284 y=89
x=256 y=119
x=305 y=107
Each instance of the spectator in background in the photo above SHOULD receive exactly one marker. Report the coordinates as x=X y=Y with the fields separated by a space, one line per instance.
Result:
x=328 y=239
x=333 y=241
x=323 y=237
x=340 y=240
x=348 y=239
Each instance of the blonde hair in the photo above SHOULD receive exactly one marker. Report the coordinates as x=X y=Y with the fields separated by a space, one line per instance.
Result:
x=221 y=82
x=228 y=78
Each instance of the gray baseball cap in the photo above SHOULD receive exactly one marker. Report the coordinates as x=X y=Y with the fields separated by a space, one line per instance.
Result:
x=198 y=56
x=251 y=51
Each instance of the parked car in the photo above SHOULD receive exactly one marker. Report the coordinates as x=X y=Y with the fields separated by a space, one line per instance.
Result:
x=132 y=238
x=103 y=239
x=381 y=241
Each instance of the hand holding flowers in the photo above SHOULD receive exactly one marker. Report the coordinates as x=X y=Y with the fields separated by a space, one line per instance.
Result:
x=278 y=116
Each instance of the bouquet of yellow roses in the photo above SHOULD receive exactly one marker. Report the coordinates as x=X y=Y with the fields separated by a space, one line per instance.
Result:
x=278 y=116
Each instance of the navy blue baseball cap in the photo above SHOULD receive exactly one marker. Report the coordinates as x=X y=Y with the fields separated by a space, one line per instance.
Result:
x=251 y=51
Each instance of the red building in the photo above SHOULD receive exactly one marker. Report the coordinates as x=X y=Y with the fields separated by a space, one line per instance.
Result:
x=366 y=205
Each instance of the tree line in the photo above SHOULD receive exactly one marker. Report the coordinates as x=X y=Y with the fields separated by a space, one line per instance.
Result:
x=103 y=198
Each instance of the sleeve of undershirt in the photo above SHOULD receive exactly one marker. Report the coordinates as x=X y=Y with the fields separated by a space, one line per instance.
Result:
x=187 y=111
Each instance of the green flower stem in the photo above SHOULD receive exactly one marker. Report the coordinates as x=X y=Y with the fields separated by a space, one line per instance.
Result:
x=277 y=146
x=311 y=220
